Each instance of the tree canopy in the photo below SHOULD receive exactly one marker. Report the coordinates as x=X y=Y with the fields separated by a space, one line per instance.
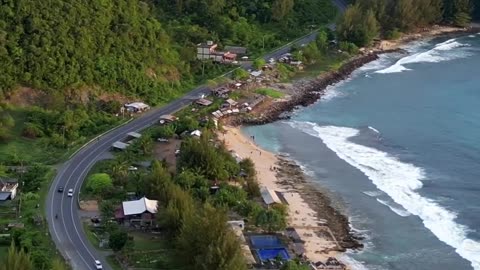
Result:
x=363 y=19
x=99 y=183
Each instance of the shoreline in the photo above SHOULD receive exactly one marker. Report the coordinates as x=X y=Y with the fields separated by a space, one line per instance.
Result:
x=310 y=207
x=324 y=230
x=311 y=90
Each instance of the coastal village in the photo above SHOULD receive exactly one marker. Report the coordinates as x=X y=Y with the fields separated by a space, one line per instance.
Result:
x=315 y=234
x=307 y=236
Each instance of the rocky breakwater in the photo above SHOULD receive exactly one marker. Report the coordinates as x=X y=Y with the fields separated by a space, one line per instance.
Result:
x=306 y=94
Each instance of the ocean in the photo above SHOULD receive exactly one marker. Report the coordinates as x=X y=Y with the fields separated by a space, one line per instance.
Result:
x=398 y=146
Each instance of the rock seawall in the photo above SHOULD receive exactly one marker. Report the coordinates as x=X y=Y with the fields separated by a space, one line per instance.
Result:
x=308 y=93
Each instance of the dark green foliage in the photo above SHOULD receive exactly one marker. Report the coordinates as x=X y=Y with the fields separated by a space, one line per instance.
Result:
x=165 y=131
x=117 y=240
x=206 y=242
x=186 y=123
x=240 y=74
x=215 y=163
x=229 y=196
x=273 y=219
x=348 y=47
x=294 y=265
x=401 y=15
x=357 y=26
x=34 y=177
x=67 y=43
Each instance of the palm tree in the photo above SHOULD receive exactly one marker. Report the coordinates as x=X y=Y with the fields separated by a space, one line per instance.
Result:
x=17 y=259
x=119 y=172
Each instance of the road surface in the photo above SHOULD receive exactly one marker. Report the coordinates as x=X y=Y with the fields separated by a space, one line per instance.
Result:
x=67 y=230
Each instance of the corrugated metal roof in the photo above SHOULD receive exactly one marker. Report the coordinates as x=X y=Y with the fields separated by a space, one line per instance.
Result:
x=140 y=206
x=269 y=196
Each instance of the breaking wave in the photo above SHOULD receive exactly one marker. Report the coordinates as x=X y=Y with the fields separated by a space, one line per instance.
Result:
x=373 y=129
x=397 y=211
x=400 y=181
x=441 y=52
x=372 y=193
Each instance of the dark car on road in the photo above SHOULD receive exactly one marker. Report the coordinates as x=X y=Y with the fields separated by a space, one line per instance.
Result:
x=60 y=189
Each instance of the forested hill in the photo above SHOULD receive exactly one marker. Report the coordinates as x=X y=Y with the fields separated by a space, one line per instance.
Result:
x=138 y=48
x=367 y=19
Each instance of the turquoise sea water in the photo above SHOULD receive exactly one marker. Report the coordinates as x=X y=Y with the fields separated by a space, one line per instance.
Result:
x=398 y=145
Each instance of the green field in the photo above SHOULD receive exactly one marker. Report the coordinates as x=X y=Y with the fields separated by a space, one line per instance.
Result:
x=328 y=62
x=270 y=92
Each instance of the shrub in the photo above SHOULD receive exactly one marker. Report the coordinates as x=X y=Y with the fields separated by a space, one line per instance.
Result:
x=99 y=183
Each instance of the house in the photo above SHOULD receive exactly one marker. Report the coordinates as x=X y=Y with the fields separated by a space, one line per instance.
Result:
x=136 y=107
x=203 y=102
x=207 y=51
x=167 y=118
x=8 y=189
x=236 y=50
x=229 y=103
x=141 y=210
x=221 y=92
x=269 y=196
x=120 y=145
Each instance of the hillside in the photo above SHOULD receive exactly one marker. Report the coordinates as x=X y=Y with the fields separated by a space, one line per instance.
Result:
x=138 y=48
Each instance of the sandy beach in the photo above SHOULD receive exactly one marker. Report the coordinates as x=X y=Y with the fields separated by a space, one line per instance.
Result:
x=301 y=216
x=429 y=32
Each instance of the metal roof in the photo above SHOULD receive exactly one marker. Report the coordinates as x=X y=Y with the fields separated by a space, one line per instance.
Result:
x=269 y=196
x=120 y=145
x=4 y=196
x=134 y=134
x=140 y=206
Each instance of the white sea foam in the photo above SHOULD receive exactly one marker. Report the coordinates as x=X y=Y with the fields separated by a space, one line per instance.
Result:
x=440 y=52
x=332 y=91
x=352 y=263
x=400 y=181
x=471 y=36
x=372 y=193
x=400 y=212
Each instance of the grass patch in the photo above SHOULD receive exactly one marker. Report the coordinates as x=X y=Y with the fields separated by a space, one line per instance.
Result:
x=92 y=237
x=151 y=252
x=114 y=264
x=330 y=61
x=3 y=252
x=270 y=92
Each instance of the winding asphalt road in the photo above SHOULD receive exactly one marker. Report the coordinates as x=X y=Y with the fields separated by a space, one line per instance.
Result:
x=67 y=230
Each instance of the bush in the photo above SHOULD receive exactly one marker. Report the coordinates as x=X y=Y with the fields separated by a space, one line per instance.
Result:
x=393 y=34
x=32 y=131
x=240 y=74
x=166 y=131
x=99 y=183
x=348 y=47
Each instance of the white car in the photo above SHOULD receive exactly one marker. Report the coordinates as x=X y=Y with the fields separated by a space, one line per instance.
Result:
x=70 y=193
x=132 y=168
x=98 y=264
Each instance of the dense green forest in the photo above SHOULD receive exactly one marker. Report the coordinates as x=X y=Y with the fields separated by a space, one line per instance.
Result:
x=366 y=19
x=138 y=48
